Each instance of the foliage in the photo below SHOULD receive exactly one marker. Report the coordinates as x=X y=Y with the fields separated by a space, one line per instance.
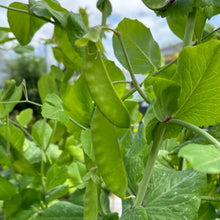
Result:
x=91 y=139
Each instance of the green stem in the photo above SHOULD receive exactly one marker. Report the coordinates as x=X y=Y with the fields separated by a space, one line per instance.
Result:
x=135 y=83
x=164 y=67
x=198 y=130
x=210 y=34
x=122 y=82
x=189 y=31
x=78 y=124
x=51 y=136
x=22 y=101
x=8 y=136
x=150 y=163
x=26 y=12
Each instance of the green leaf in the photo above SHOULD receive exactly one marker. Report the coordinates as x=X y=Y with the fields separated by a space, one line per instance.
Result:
x=23 y=25
x=12 y=205
x=76 y=171
x=57 y=193
x=203 y=3
x=137 y=213
x=55 y=176
x=86 y=139
x=62 y=210
x=7 y=190
x=207 y=211
x=174 y=194
x=143 y=51
x=199 y=78
x=41 y=133
x=72 y=56
x=30 y=197
x=166 y=93
x=78 y=102
x=23 y=49
x=204 y=158
x=9 y=93
x=46 y=85
x=25 y=116
x=53 y=108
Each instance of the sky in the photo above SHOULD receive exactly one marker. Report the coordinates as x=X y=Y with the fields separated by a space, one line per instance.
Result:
x=133 y=9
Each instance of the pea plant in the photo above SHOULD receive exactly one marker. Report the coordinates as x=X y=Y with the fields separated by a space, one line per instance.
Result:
x=91 y=139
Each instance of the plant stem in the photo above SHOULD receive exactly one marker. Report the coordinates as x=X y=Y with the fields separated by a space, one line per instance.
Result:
x=189 y=31
x=150 y=163
x=27 y=12
x=51 y=136
x=78 y=124
x=135 y=83
x=198 y=130
x=210 y=34
x=8 y=136
x=121 y=82
x=22 y=101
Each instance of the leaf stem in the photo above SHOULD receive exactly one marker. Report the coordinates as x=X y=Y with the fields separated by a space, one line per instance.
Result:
x=150 y=163
x=213 y=199
x=135 y=83
x=196 y=129
x=189 y=31
x=78 y=124
x=27 y=12
x=8 y=135
x=121 y=82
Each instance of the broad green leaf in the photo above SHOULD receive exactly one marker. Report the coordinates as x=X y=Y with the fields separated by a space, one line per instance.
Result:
x=41 y=133
x=23 y=25
x=177 y=8
x=46 y=85
x=69 y=52
x=12 y=205
x=91 y=201
x=207 y=211
x=53 y=152
x=137 y=213
x=203 y=3
x=174 y=194
x=204 y=158
x=199 y=78
x=32 y=153
x=76 y=29
x=7 y=190
x=53 y=108
x=25 y=116
x=29 y=197
x=76 y=171
x=166 y=93
x=156 y=4
x=86 y=140
x=143 y=51
x=77 y=197
x=9 y=93
x=57 y=193
x=62 y=210
x=49 y=8
x=14 y=135
x=55 y=176
x=28 y=214
x=4 y=157
x=78 y=102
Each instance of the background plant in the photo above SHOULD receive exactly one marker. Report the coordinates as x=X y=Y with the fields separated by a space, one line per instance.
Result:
x=89 y=141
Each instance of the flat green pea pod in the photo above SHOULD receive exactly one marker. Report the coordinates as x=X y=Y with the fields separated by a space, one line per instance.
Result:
x=91 y=201
x=107 y=154
x=157 y=4
x=101 y=88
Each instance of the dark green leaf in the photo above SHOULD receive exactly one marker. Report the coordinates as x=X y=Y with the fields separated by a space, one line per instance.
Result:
x=23 y=25
x=12 y=205
x=105 y=7
x=143 y=51
x=207 y=211
x=7 y=190
x=137 y=213
x=199 y=78
x=62 y=210
x=174 y=194
x=204 y=158
x=204 y=3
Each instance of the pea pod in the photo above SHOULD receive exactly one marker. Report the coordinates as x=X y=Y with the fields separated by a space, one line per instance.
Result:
x=107 y=154
x=101 y=88
x=91 y=201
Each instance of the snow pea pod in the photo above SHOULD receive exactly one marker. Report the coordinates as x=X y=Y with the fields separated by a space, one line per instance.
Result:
x=91 y=201
x=107 y=154
x=101 y=88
